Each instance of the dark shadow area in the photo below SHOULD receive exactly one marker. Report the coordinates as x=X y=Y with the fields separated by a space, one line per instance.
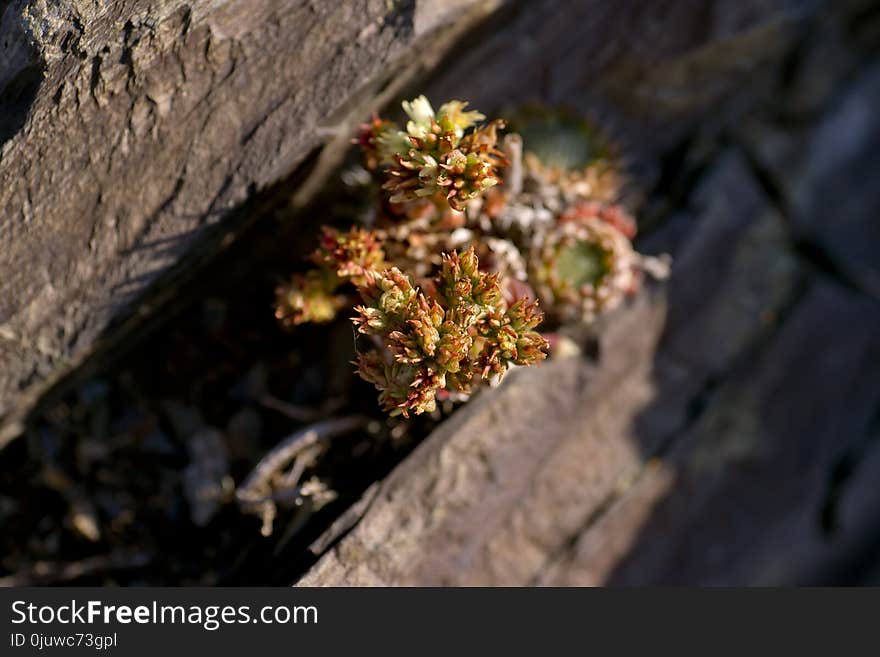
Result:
x=21 y=73
x=16 y=99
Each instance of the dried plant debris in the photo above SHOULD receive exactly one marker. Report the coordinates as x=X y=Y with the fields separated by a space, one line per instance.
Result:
x=277 y=478
x=473 y=241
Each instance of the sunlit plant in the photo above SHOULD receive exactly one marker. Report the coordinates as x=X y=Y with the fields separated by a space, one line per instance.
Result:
x=475 y=238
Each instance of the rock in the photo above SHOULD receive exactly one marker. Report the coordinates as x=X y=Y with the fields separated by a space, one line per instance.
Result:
x=835 y=193
x=820 y=161
x=739 y=498
x=733 y=275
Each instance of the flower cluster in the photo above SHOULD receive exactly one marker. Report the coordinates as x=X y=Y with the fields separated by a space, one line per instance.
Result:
x=445 y=282
x=350 y=255
x=439 y=153
x=318 y=295
x=445 y=338
x=309 y=297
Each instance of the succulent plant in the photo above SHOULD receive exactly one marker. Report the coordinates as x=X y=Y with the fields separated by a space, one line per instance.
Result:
x=571 y=152
x=585 y=265
x=444 y=338
x=350 y=255
x=440 y=152
x=446 y=282
x=342 y=258
x=309 y=297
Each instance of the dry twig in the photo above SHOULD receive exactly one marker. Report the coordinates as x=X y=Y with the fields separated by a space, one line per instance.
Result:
x=268 y=483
